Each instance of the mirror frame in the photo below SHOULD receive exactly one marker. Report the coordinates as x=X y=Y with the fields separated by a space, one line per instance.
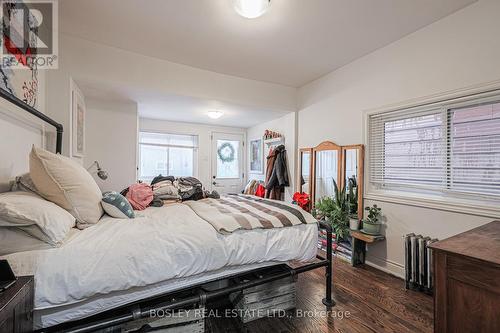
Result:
x=299 y=186
x=325 y=145
x=359 y=174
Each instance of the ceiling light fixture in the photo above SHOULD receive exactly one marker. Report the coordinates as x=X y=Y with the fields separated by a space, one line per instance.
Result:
x=215 y=114
x=251 y=8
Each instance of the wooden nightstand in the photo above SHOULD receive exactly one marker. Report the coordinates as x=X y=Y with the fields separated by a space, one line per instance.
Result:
x=16 y=306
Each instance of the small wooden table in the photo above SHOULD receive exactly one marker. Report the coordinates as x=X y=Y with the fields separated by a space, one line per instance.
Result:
x=359 y=241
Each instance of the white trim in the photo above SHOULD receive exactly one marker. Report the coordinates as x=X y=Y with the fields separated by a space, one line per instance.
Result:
x=388 y=266
x=77 y=98
x=456 y=206
x=174 y=132
x=166 y=145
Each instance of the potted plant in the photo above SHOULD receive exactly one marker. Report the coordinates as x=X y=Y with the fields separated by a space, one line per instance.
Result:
x=352 y=199
x=335 y=211
x=371 y=224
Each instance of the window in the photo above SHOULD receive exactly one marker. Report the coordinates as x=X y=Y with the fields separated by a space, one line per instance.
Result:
x=475 y=149
x=228 y=162
x=450 y=148
x=166 y=154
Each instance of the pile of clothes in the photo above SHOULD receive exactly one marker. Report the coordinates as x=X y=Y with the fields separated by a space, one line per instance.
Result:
x=166 y=190
x=255 y=187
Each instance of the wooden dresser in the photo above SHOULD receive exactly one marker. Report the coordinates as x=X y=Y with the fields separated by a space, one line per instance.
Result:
x=467 y=281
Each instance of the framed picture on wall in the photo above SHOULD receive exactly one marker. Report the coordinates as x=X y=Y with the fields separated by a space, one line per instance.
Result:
x=257 y=156
x=78 y=120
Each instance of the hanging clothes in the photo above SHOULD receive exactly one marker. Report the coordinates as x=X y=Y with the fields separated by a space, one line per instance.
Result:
x=277 y=173
x=271 y=157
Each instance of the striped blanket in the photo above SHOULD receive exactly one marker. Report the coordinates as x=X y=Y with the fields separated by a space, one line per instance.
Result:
x=234 y=212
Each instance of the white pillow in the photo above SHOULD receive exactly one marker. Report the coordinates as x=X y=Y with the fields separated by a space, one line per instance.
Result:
x=24 y=183
x=66 y=183
x=36 y=216
x=16 y=240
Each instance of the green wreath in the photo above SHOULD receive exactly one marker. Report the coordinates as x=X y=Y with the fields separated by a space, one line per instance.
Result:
x=224 y=156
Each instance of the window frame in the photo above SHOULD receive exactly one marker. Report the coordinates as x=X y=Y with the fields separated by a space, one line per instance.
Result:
x=139 y=158
x=445 y=199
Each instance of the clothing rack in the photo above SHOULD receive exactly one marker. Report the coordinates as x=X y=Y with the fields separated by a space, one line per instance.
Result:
x=274 y=142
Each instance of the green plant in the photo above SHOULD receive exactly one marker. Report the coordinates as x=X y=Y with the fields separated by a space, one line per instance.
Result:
x=323 y=208
x=373 y=214
x=335 y=210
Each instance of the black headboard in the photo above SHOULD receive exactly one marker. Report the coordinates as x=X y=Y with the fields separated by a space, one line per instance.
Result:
x=16 y=101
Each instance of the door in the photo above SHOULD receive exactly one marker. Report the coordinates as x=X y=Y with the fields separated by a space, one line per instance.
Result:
x=227 y=162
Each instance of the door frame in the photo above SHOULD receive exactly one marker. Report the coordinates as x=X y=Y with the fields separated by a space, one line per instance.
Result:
x=243 y=154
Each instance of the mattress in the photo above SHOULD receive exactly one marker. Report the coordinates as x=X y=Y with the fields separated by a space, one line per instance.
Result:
x=156 y=250
x=97 y=304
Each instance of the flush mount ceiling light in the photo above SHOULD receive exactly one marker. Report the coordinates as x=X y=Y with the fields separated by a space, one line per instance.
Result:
x=215 y=114
x=251 y=8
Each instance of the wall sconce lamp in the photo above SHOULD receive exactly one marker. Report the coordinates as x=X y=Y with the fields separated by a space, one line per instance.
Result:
x=100 y=172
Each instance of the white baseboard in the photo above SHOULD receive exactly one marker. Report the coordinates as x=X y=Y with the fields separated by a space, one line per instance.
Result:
x=387 y=266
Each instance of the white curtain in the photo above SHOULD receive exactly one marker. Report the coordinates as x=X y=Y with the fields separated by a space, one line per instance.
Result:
x=326 y=172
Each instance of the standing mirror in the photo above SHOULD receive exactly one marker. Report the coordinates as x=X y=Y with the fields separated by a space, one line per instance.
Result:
x=326 y=168
x=305 y=170
x=353 y=172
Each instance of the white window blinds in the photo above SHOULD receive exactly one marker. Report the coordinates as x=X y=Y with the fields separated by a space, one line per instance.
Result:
x=166 y=154
x=475 y=149
x=437 y=148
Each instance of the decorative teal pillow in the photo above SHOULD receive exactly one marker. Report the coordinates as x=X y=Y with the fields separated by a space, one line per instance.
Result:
x=116 y=205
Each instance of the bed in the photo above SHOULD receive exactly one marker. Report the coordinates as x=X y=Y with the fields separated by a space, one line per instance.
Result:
x=106 y=274
x=118 y=254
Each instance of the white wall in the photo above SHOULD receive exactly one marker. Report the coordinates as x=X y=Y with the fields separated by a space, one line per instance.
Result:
x=111 y=139
x=286 y=126
x=204 y=140
x=19 y=131
x=457 y=52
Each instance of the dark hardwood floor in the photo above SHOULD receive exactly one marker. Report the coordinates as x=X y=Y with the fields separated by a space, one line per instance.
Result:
x=368 y=300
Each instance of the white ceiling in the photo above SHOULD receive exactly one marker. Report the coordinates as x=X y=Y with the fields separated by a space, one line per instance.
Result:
x=180 y=108
x=295 y=42
x=189 y=109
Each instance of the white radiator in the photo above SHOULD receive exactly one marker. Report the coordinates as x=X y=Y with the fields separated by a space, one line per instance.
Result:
x=418 y=263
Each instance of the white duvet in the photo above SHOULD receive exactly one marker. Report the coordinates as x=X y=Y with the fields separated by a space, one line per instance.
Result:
x=160 y=244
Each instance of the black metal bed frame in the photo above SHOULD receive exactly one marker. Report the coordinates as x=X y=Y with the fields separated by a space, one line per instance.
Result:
x=16 y=101
x=199 y=295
